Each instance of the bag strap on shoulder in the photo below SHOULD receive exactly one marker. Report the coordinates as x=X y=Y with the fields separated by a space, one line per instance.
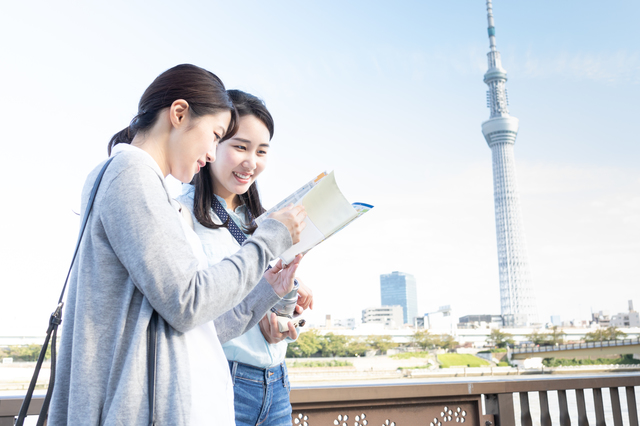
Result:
x=152 y=354
x=226 y=219
x=54 y=322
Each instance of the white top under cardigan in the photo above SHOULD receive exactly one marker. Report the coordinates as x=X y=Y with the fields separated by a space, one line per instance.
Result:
x=250 y=348
x=207 y=359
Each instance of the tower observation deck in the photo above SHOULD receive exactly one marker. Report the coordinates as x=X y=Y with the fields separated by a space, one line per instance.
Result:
x=517 y=300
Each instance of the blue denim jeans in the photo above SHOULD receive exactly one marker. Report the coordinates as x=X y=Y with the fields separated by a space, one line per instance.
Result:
x=261 y=395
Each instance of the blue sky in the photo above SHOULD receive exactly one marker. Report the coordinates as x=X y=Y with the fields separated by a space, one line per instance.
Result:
x=389 y=96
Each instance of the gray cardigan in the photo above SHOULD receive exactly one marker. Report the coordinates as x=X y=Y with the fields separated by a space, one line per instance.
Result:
x=133 y=259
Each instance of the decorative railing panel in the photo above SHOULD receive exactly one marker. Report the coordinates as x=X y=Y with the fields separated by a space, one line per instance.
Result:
x=429 y=412
x=482 y=401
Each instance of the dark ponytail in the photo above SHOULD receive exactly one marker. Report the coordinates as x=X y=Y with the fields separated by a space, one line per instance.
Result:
x=203 y=91
x=245 y=104
x=123 y=136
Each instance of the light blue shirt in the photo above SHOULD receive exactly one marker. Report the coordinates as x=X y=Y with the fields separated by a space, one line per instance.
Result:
x=251 y=348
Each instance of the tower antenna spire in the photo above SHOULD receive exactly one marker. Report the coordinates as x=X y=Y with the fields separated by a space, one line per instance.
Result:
x=491 y=29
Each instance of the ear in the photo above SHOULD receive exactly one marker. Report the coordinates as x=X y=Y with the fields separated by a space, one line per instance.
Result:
x=178 y=112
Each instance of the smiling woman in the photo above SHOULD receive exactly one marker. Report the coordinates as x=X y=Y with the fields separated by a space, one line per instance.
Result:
x=139 y=264
x=242 y=159
x=227 y=196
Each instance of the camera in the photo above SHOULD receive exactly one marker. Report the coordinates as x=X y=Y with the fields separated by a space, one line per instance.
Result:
x=285 y=310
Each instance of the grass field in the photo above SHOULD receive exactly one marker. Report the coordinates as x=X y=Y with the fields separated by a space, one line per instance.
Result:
x=452 y=360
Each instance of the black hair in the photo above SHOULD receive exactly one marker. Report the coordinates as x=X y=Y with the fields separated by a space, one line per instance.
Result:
x=203 y=91
x=245 y=104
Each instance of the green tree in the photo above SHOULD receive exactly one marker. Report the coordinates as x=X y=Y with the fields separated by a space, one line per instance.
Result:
x=538 y=338
x=423 y=339
x=24 y=352
x=445 y=341
x=609 y=333
x=556 y=337
x=500 y=339
x=357 y=347
x=307 y=344
x=334 y=345
x=381 y=343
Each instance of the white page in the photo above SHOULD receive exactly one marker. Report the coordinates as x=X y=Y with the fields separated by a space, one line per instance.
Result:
x=310 y=236
x=328 y=211
x=327 y=208
x=293 y=198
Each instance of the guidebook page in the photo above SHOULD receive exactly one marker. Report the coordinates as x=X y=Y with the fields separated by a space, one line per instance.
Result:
x=293 y=198
x=328 y=211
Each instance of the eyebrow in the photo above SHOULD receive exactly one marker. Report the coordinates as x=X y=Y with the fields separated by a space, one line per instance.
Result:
x=249 y=142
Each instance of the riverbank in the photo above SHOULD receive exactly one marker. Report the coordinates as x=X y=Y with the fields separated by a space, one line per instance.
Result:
x=16 y=376
x=388 y=368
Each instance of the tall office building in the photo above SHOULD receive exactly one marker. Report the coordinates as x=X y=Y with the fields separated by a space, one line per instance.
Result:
x=517 y=300
x=398 y=288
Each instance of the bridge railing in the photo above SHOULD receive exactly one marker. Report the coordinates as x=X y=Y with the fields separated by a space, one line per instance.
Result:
x=474 y=403
x=481 y=403
x=586 y=345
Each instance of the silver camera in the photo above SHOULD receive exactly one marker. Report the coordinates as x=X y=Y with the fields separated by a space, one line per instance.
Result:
x=285 y=310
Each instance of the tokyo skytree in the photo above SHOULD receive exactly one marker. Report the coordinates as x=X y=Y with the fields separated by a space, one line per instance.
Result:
x=517 y=300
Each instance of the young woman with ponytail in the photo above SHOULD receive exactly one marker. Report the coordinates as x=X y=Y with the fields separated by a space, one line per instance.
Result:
x=138 y=256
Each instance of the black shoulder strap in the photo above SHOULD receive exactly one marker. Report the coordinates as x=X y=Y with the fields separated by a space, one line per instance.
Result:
x=152 y=345
x=54 y=322
x=231 y=224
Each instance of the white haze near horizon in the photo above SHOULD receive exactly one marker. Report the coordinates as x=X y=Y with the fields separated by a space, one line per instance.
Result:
x=389 y=96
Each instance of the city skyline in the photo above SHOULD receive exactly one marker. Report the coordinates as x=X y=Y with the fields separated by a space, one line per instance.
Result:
x=622 y=319
x=391 y=99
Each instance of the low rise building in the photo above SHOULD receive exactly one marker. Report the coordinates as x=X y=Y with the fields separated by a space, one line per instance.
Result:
x=601 y=318
x=628 y=319
x=480 y=321
x=345 y=322
x=389 y=316
x=442 y=319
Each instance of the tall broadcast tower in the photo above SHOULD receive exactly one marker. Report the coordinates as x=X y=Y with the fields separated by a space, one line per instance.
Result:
x=517 y=301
